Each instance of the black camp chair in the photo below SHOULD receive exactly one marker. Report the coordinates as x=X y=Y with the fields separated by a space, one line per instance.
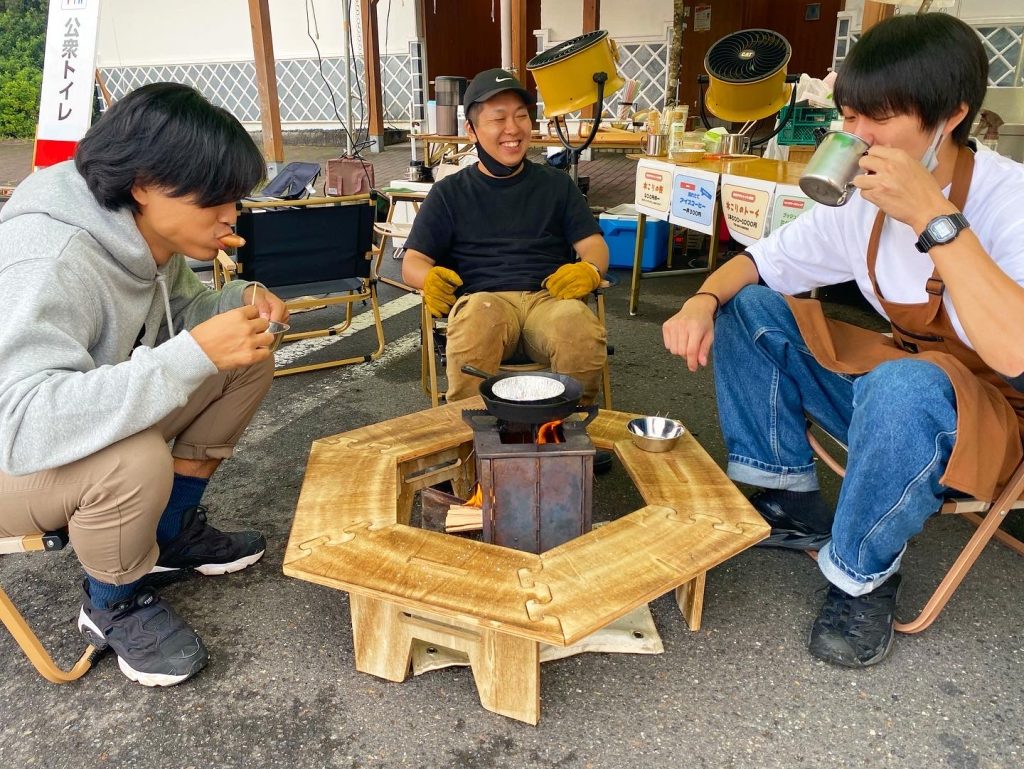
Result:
x=310 y=253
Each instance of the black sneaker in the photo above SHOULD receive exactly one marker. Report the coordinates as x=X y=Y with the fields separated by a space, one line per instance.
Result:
x=603 y=460
x=856 y=632
x=788 y=533
x=201 y=547
x=154 y=646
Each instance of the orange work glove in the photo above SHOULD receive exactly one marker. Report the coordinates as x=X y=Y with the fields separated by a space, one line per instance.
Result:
x=439 y=290
x=573 y=281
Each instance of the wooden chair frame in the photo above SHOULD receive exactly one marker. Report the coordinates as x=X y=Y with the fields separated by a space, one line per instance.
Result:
x=389 y=229
x=225 y=268
x=19 y=628
x=986 y=517
x=429 y=357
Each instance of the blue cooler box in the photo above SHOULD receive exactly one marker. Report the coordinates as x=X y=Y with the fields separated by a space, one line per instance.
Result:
x=619 y=227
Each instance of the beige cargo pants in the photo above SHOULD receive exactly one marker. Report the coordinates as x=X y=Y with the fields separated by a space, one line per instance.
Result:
x=111 y=501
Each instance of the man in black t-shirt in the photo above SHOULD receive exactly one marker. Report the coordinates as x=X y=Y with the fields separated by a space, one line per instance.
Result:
x=509 y=251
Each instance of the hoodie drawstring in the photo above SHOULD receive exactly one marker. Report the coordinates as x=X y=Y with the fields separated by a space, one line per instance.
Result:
x=162 y=280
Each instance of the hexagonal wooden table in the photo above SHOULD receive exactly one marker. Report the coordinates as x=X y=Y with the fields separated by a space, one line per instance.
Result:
x=494 y=604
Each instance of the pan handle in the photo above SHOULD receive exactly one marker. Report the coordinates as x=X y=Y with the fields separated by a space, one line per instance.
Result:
x=590 y=411
x=474 y=371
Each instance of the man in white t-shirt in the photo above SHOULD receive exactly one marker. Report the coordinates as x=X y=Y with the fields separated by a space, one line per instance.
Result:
x=934 y=238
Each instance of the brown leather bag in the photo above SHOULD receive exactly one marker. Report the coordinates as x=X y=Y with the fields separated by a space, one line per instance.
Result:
x=348 y=175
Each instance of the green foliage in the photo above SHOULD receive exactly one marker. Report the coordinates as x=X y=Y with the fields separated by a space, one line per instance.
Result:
x=22 y=40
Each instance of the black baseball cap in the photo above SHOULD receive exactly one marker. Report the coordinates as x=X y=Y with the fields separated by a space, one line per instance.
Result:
x=491 y=82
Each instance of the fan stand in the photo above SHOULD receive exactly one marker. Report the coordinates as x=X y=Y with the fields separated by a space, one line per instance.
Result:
x=562 y=130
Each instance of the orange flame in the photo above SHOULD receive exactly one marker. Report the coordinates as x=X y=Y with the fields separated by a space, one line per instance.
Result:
x=477 y=500
x=548 y=433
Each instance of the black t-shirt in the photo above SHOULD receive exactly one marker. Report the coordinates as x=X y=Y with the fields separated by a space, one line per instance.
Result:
x=502 y=234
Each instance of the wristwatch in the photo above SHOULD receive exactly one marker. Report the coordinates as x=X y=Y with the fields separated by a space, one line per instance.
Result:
x=940 y=231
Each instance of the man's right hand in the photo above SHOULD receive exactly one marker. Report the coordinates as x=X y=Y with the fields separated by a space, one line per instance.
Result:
x=234 y=339
x=439 y=290
x=690 y=331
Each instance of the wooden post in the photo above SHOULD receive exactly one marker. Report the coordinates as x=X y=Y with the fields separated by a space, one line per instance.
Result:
x=874 y=13
x=371 y=64
x=266 y=82
x=591 y=22
x=519 y=33
x=675 y=54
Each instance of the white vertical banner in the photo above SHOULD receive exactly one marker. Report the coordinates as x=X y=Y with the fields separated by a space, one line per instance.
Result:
x=66 y=102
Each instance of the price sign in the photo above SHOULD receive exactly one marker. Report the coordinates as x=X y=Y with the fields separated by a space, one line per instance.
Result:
x=653 y=192
x=746 y=204
x=790 y=202
x=693 y=200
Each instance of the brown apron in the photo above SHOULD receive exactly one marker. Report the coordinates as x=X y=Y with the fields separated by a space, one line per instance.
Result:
x=990 y=413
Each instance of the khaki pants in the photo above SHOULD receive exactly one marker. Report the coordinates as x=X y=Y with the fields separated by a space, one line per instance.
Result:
x=112 y=501
x=486 y=328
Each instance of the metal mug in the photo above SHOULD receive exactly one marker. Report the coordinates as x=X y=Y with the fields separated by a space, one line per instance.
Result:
x=657 y=145
x=735 y=144
x=829 y=175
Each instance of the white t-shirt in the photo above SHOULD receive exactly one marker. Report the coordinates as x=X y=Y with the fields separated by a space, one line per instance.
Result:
x=829 y=245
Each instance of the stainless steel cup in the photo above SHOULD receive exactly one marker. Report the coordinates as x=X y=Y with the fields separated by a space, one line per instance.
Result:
x=657 y=145
x=735 y=144
x=828 y=177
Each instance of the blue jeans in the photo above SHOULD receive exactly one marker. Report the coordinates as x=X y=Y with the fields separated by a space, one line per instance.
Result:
x=898 y=420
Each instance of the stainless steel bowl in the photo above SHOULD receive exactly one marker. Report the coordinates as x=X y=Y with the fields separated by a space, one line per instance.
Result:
x=278 y=329
x=655 y=434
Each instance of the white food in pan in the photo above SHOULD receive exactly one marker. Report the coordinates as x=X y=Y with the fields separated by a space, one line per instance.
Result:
x=527 y=388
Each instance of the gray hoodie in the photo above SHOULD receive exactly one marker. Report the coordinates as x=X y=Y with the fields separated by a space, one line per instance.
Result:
x=86 y=355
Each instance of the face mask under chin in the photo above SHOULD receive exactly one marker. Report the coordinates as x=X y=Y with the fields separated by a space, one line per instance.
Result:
x=493 y=165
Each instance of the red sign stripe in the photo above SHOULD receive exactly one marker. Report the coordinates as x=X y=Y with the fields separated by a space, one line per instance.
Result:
x=51 y=151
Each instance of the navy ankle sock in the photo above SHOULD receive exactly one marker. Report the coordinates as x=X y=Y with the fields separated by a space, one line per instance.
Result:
x=103 y=595
x=186 y=493
x=808 y=507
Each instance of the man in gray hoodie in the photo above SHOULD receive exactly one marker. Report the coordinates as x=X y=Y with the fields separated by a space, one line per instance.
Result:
x=124 y=381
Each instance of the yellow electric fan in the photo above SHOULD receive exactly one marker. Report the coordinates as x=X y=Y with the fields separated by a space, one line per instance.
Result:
x=747 y=75
x=566 y=74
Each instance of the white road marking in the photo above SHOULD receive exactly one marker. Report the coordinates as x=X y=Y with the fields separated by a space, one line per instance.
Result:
x=319 y=389
x=288 y=353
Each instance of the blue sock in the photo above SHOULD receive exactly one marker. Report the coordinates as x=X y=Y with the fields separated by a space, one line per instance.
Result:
x=186 y=492
x=103 y=595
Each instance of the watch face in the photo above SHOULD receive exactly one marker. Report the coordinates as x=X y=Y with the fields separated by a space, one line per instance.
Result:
x=942 y=229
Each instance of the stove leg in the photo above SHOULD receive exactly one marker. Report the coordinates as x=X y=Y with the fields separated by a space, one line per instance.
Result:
x=690 y=599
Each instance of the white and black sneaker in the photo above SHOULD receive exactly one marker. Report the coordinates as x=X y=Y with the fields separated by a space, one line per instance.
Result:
x=209 y=551
x=154 y=646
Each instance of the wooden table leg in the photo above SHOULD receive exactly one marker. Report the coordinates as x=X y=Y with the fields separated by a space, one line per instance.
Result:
x=506 y=668
x=638 y=254
x=690 y=599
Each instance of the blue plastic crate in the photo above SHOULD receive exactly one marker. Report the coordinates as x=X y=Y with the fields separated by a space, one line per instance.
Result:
x=620 y=235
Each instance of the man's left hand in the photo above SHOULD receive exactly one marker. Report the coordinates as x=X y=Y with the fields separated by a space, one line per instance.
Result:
x=901 y=186
x=573 y=281
x=268 y=305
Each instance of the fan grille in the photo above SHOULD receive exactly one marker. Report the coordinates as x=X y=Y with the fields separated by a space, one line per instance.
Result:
x=566 y=49
x=747 y=56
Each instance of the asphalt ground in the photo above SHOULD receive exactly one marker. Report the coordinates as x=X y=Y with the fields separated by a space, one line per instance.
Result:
x=281 y=689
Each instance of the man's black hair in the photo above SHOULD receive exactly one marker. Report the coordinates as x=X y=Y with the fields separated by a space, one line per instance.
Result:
x=169 y=136
x=923 y=64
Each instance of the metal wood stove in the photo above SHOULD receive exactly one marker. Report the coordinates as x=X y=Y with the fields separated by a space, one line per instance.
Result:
x=535 y=495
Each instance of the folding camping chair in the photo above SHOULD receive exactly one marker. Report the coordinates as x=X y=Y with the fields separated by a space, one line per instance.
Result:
x=19 y=628
x=433 y=353
x=986 y=516
x=310 y=253
x=294 y=182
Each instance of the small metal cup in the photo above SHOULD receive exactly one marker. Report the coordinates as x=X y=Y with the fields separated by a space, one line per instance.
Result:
x=735 y=144
x=829 y=175
x=657 y=145
x=278 y=329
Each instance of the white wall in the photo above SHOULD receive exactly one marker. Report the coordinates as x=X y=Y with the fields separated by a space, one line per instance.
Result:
x=142 y=32
x=622 y=18
x=971 y=11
